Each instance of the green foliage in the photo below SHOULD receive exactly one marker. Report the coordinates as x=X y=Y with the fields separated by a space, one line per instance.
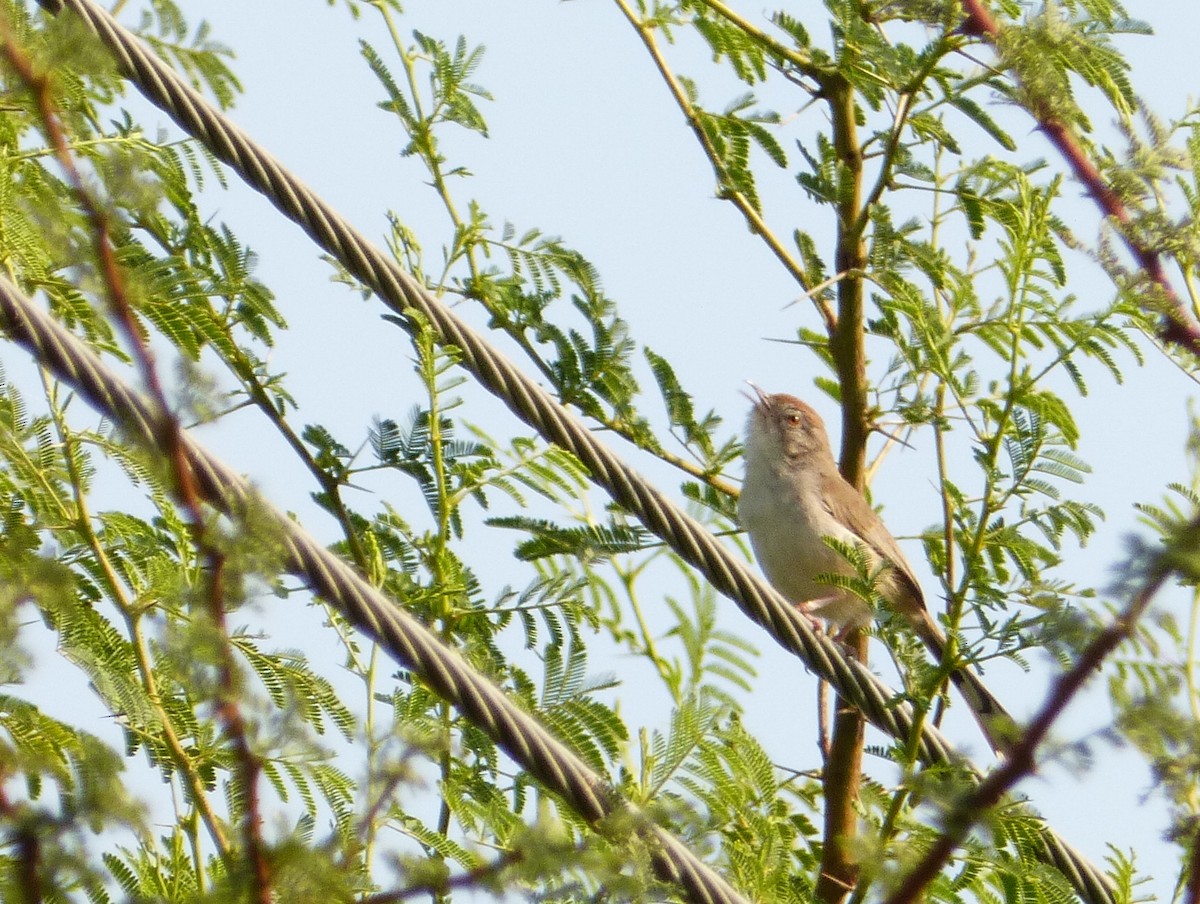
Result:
x=697 y=434
x=362 y=779
x=202 y=59
x=732 y=134
x=1050 y=48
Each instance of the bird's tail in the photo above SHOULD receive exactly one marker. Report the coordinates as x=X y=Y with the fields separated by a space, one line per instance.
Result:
x=998 y=726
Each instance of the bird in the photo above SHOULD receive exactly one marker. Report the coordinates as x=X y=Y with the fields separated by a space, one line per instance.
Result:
x=793 y=498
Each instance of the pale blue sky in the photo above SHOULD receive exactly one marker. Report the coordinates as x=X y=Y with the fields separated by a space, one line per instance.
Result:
x=585 y=143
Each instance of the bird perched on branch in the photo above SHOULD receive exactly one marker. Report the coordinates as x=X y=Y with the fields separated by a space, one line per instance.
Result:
x=794 y=501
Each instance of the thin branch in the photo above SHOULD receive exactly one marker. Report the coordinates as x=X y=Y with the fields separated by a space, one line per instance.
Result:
x=26 y=858
x=131 y=613
x=802 y=61
x=1179 y=327
x=1192 y=891
x=479 y=876
x=169 y=437
x=419 y=123
x=751 y=214
x=843 y=769
x=1021 y=761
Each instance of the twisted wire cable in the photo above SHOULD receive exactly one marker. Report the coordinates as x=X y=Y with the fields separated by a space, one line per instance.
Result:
x=532 y=404
x=401 y=292
x=524 y=397
x=410 y=642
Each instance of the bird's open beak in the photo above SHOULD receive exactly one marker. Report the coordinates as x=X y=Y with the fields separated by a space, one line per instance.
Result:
x=760 y=399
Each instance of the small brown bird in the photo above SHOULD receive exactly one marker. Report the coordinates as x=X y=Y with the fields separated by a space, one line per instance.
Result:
x=792 y=498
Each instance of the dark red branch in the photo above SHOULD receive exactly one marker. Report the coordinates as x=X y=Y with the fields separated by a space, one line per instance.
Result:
x=26 y=848
x=1192 y=889
x=1020 y=761
x=170 y=439
x=1179 y=326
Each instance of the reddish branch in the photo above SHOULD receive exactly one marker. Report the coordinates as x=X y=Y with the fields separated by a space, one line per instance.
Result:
x=1178 y=327
x=1020 y=761
x=169 y=439
x=483 y=877
x=1192 y=891
x=27 y=849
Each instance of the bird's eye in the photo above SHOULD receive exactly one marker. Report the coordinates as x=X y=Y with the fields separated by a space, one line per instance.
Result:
x=794 y=419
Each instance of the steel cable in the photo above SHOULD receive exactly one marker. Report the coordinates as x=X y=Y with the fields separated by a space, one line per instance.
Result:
x=406 y=639
x=690 y=540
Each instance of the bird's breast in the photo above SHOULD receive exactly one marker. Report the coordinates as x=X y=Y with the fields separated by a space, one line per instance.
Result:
x=787 y=524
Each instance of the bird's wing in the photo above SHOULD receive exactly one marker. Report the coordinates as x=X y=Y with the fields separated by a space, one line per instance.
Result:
x=853 y=510
x=848 y=506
